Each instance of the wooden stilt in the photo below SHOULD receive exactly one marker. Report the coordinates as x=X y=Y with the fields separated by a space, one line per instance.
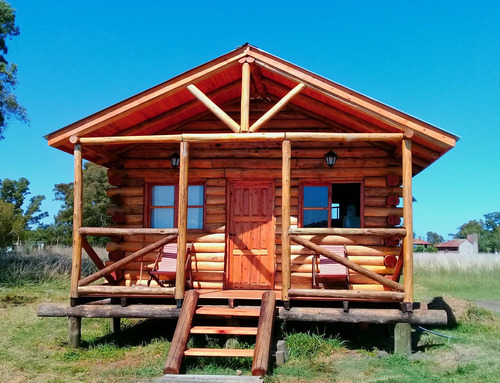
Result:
x=180 y=277
x=402 y=338
x=76 y=263
x=75 y=331
x=115 y=325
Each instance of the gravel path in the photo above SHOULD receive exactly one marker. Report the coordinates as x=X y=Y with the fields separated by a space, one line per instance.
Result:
x=489 y=305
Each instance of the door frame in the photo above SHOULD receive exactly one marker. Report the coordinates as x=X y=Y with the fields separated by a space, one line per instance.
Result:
x=229 y=214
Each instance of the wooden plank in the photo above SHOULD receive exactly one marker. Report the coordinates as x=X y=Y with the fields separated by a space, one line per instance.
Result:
x=108 y=231
x=351 y=265
x=386 y=296
x=360 y=315
x=220 y=352
x=125 y=290
x=181 y=334
x=118 y=265
x=276 y=108
x=76 y=261
x=226 y=311
x=180 y=275
x=407 y=220
x=233 y=125
x=308 y=314
x=396 y=232
x=224 y=330
x=262 y=352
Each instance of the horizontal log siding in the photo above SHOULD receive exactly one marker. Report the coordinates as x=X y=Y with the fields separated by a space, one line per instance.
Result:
x=215 y=163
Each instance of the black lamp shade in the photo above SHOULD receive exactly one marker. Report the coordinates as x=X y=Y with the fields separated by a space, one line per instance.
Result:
x=175 y=159
x=330 y=158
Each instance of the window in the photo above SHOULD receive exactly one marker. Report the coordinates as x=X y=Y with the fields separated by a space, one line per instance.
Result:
x=164 y=206
x=331 y=205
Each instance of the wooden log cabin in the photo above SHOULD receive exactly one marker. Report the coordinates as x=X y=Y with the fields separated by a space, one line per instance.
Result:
x=258 y=166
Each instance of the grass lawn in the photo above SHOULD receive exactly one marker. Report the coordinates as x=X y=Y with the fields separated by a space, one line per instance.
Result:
x=35 y=349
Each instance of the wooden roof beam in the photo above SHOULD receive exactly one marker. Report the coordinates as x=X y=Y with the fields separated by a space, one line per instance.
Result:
x=276 y=108
x=239 y=137
x=245 y=97
x=165 y=116
x=233 y=125
x=257 y=80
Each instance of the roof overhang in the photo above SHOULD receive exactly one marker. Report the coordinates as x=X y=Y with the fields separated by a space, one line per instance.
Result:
x=165 y=108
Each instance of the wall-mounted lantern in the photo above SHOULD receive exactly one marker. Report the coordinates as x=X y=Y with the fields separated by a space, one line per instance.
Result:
x=175 y=159
x=330 y=158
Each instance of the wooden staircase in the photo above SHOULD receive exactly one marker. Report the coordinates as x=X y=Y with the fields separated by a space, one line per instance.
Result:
x=263 y=333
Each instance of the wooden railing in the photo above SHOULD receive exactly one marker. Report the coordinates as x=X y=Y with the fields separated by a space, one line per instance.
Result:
x=106 y=271
x=397 y=293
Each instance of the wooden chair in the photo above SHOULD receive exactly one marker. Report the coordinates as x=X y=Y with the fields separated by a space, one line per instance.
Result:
x=165 y=266
x=326 y=270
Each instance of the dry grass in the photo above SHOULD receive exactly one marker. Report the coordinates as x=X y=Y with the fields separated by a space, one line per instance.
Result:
x=448 y=262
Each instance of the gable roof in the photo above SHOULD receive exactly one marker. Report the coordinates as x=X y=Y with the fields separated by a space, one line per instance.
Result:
x=166 y=107
x=455 y=243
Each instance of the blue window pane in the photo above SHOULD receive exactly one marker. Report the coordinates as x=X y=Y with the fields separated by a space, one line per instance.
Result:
x=195 y=195
x=162 y=218
x=315 y=218
x=315 y=196
x=163 y=195
x=195 y=218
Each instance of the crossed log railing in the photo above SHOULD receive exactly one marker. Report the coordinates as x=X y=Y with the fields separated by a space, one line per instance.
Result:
x=397 y=293
x=106 y=271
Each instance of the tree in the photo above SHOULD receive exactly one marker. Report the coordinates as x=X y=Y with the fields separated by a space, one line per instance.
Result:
x=95 y=204
x=9 y=107
x=434 y=238
x=12 y=195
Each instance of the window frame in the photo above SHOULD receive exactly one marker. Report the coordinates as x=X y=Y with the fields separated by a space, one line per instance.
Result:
x=329 y=184
x=149 y=199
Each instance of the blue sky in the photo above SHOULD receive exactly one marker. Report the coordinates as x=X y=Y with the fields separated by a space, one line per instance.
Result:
x=438 y=61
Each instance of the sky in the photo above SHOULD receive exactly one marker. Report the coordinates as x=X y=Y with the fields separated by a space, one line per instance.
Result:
x=437 y=61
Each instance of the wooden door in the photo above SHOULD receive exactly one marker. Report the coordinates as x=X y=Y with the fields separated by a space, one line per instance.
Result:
x=251 y=235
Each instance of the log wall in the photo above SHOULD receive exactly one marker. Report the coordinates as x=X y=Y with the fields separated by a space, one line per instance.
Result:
x=215 y=164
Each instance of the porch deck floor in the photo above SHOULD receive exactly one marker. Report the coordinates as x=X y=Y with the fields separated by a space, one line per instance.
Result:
x=235 y=294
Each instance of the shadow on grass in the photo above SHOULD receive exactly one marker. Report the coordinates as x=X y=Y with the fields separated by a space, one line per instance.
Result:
x=137 y=334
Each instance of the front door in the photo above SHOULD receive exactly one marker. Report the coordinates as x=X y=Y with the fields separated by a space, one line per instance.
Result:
x=251 y=235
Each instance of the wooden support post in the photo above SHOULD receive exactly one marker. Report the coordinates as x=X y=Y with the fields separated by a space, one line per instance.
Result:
x=402 y=338
x=180 y=276
x=245 y=97
x=285 y=220
x=407 y=220
x=75 y=331
x=115 y=325
x=76 y=263
x=181 y=334
x=262 y=352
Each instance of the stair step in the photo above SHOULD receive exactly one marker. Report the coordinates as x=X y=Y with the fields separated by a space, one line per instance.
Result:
x=230 y=352
x=224 y=330
x=226 y=311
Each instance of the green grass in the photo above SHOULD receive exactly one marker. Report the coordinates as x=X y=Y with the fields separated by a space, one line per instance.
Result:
x=35 y=349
